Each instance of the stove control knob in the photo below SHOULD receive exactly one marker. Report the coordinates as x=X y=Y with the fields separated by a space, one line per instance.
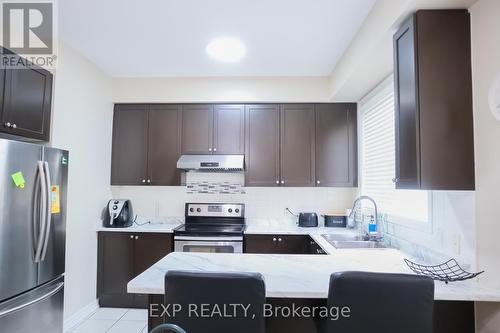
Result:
x=230 y=210
x=191 y=209
x=236 y=210
x=198 y=210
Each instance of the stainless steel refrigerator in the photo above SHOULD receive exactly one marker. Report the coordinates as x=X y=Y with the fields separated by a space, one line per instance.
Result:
x=33 y=189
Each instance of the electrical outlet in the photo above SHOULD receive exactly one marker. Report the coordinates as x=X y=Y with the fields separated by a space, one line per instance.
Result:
x=456 y=244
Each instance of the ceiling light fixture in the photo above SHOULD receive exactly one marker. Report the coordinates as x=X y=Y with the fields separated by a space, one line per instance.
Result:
x=226 y=49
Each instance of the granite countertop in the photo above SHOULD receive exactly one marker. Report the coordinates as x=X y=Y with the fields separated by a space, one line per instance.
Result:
x=300 y=276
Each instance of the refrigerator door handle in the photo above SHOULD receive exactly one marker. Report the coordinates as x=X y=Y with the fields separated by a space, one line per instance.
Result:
x=48 y=212
x=36 y=214
x=46 y=295
x=42 y=189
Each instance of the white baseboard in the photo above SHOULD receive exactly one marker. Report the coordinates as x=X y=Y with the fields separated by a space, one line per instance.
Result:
x=80 y=316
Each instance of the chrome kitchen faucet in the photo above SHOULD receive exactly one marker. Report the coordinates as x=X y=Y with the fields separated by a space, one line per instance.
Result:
x=367 y=236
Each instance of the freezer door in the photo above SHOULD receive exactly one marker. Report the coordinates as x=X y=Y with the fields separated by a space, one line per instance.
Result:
x=18 y=271
x=37 y=311
x=53 y=253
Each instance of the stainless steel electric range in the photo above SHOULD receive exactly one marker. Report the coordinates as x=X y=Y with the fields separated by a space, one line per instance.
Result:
x=211 y=227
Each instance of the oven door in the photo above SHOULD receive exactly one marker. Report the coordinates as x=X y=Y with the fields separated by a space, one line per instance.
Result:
x=208 y=244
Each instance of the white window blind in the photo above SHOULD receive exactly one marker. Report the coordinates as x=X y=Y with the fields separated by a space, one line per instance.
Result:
x=378 y=159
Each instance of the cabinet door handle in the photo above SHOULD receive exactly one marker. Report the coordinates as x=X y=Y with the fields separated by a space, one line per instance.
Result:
x=136 y=237
x=395 y=180
x=277 y=182
x=131 y=236
x=282 y=182
x=149 y=181
x=279 y=239
x=14 y=126
x=8 y=125
x=144 y=180
x=209 y=149
x=215 y=149
x=318 y=182
x=274 y=239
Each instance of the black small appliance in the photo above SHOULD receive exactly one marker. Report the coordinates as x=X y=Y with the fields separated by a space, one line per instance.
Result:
x=335 y=220
x=308 y=220
x=118 y=214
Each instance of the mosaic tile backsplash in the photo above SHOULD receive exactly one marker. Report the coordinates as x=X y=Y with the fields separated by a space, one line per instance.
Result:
x=215 y=183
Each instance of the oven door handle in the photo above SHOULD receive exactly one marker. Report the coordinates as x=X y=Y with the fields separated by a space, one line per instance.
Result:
x=208 y=239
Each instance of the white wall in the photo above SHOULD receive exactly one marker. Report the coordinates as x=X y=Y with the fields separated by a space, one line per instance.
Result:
x=82 y=121
x=485 y=67
x=261 y=203
x=221 y=89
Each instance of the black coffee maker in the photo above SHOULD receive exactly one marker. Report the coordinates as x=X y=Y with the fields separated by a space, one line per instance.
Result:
x=118 y=214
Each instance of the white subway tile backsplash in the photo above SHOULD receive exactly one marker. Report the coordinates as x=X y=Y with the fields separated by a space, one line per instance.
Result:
x=261 y=202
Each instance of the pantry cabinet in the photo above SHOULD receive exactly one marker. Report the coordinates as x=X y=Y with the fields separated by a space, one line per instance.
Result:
x=433 y=102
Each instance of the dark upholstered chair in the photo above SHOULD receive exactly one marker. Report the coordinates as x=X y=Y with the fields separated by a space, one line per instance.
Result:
x=382 y=303
x=191 y=289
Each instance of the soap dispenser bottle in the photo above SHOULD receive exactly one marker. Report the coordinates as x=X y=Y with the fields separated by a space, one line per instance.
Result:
x=372 y=226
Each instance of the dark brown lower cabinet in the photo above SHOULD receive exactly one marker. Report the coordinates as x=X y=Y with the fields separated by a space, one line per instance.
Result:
x=121 y=257
x=281 y=244
x=449 y=316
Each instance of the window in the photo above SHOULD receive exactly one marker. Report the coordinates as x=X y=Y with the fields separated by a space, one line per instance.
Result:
x=378 y=159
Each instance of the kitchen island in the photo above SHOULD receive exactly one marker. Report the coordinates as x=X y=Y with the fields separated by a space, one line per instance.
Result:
x=304 y=279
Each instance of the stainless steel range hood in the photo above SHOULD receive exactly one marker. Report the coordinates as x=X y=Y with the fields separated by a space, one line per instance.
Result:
x=211 y=163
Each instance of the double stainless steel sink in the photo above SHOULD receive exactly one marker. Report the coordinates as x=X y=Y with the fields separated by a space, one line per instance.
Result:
x=351 y=242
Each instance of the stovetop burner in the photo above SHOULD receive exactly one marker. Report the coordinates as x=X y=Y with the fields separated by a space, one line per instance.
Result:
x=208 y=219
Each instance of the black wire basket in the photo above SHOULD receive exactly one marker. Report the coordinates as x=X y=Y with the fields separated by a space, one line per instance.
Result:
x=448 y=272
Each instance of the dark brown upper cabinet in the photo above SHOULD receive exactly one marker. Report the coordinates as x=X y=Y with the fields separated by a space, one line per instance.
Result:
x=433 y=102
x=262 y=141
x=297 y=145
x=164 y=144
x=336 y=145
x=130 y=142
x=26 y=97
x=229 y=129
x=284 y=144
x=213 y=129
x=146 y=144
x=197 y=128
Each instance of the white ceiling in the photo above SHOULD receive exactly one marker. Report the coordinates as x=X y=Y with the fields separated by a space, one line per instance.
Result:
x=159 y=38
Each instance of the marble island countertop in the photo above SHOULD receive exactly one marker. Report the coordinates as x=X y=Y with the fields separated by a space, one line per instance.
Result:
x=300 y=276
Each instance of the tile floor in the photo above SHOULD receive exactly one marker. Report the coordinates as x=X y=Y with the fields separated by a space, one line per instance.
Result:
x=114 y=320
